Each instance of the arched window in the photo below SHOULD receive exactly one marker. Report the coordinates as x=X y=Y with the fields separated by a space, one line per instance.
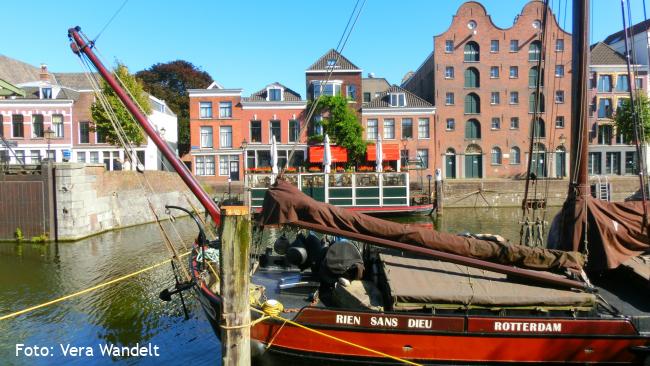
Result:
x=471 y=51
x=473 y=129
x=540 y=105
x=515 y=155
x=535 y=51
x=496 y=155
x=533 y=75
x=472 y=103
x=472 y=78
x=540 y=128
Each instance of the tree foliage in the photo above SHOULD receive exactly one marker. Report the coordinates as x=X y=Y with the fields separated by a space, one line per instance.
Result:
x=625 y=118
x=170 y=82
x=102 y=119
x=342 y=125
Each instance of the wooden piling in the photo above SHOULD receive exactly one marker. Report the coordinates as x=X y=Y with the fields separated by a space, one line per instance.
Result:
x=235 y=233
x=439 y=197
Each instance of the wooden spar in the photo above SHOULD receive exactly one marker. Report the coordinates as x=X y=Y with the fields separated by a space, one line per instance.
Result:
x=448 y=257
x=579 y=76
x=79 y=45
x=234 y=271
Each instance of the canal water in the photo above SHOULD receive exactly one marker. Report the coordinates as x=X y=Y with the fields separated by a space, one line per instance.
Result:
x=130 y=312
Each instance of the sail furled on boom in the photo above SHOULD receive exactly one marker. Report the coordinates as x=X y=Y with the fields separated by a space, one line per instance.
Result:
x=284 y=204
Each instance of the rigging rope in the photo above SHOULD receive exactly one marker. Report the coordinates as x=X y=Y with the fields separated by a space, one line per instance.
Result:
x=310 y=114
x=110 y=20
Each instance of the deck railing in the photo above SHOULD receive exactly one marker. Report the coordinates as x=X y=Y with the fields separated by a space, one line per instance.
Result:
x=340 y=189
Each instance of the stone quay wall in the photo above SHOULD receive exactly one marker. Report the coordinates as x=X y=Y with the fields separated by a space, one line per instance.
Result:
x=510 y=193
x=91 y=200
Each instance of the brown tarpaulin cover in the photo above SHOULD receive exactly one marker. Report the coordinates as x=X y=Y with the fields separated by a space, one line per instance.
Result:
x=615 y=231
x=414 y=283
x=285 y=204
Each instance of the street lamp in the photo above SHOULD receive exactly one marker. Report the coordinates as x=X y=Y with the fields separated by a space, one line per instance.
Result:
x=429 y=176
x=49 y=134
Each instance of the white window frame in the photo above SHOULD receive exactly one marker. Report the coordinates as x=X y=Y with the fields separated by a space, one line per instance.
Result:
x=228 y=104
x=376 y=129
x=223 y=136
x=268 y=94
x=58 y=127
x=427 y=125
x=210 y=144
x=397 y=99
x=387 y=123
x=201 y=108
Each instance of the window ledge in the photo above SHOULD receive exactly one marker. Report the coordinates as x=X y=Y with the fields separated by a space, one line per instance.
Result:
x=495 y=164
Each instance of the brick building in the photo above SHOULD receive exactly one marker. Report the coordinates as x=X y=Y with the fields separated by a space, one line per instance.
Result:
x=609 y=154
x=345 y=79
x=405 y=123
x=61 y=102
x=484 y=78
x=226 y=127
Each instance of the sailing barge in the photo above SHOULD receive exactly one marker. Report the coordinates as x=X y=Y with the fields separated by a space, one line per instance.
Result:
x=379 y=292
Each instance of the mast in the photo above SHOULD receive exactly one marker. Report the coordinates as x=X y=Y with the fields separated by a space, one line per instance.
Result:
x=579 y=186
x=79 y=45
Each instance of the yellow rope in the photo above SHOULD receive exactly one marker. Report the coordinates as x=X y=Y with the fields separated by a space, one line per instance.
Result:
x=66 y=297
x=337 y=339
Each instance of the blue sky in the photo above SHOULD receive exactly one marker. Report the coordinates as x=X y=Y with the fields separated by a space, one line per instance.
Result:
x=250 y=44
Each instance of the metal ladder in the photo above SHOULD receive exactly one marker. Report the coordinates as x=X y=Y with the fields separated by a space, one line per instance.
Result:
x=603 y=189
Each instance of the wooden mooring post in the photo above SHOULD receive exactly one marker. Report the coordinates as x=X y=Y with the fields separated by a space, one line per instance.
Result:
x=439 y=193
x=234 y=267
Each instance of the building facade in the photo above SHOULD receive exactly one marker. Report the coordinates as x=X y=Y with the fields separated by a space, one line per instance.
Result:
x=53 y=119
x=345 y=78
x=609 y=153
x=485 y=80
x=405 y=122
x=231 y=134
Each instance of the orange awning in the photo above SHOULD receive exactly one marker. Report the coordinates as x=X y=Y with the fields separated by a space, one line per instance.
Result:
x=390 y=152
x=339 y=154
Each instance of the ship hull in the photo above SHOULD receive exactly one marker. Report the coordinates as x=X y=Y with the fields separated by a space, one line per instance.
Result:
x=437 y=340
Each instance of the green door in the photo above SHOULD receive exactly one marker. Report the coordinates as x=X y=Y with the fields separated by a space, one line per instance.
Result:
x=539 y=164
x=450 y=164
x=560 y=164
x=473 y=166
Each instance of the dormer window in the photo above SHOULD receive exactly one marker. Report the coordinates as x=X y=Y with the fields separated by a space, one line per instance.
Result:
x=331 y=62
x=46 y=93
x=274 y=94
x=397 y=100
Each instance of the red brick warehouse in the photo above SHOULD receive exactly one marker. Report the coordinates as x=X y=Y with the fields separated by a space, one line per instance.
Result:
x=483 y=86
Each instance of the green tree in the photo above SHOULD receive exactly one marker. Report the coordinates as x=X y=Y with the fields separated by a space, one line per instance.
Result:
x=625 y=119
x=102 y=119
x=170 y=82
x=342 y=125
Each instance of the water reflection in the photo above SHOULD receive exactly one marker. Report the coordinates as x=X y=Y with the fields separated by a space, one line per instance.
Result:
x=120 y=314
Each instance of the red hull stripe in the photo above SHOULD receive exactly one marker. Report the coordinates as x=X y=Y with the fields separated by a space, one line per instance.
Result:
x=459 y=348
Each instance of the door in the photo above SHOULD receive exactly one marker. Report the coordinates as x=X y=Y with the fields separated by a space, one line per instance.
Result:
x=450 y=170
x=560 y=164
x=473 y=166
x=539 y=164
x=234 y=171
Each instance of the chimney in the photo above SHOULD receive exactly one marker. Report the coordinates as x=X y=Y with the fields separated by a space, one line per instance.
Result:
x=44 y=74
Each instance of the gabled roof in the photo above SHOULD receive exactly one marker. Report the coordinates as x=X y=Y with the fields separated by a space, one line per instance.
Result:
x=620 y=35
x=603 y=54
x=383 y=100
x=16 y=72
x=261 y=95
x=74 y=80
x=326 y=62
